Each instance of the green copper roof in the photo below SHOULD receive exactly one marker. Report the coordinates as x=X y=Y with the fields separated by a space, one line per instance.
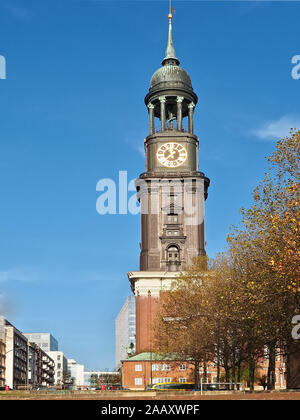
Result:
x=170 y=51
x=170 y=75
x=145 y=357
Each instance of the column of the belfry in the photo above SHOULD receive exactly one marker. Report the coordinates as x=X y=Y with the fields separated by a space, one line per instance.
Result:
x=191 y=107
x=162 y=100
x=151 y=118
x=179 y=101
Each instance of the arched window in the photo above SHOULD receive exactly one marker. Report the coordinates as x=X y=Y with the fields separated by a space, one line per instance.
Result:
x=173 y=253
x=173 y=258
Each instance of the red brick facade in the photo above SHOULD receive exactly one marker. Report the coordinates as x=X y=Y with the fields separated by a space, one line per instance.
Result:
x=139 y=374
x=146 y=312
x=139 y=371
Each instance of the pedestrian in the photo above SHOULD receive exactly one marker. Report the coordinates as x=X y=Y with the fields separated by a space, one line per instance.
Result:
x=263 y=382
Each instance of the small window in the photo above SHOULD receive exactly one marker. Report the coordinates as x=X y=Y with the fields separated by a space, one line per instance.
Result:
x=160 y=380
x=138 y=368
x=182 y=380
x=138 y=381
x=182 y=366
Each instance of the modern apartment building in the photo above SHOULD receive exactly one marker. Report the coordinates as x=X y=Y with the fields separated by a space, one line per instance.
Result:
x=125 y=330
x=16 y=357
x=2 y=351
x=40 y=367
x=76 y=372
x=60 y=367
x=45 y=341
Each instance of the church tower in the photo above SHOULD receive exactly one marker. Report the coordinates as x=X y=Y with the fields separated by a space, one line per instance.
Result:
x=171 y=192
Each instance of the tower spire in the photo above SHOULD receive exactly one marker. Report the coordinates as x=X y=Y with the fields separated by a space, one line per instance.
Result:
x=170 y=57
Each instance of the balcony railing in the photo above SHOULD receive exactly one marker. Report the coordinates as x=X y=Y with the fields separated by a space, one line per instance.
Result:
x=158 y=129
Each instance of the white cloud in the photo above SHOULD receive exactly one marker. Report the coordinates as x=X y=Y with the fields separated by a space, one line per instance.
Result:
x=19 y=13
x=276 y=129
x=18 y=274
x=53 y=275
x=141 y=150
x=7 y=308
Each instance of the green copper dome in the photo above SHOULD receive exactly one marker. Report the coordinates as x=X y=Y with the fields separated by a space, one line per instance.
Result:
x=170 y=75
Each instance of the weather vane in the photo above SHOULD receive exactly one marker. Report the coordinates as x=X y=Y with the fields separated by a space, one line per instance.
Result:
x=170 y=11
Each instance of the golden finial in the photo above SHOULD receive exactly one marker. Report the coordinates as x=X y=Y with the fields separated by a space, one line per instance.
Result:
x=170 y=15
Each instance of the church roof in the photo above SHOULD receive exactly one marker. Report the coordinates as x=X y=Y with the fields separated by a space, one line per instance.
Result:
x=170 y=75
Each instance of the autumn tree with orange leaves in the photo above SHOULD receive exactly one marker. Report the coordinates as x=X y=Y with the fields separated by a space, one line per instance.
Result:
x=244 y=302
x=267 y=248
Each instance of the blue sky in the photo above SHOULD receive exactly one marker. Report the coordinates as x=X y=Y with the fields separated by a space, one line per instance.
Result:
x=72 y=112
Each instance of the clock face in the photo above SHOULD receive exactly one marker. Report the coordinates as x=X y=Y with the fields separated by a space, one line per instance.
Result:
x=171 y=155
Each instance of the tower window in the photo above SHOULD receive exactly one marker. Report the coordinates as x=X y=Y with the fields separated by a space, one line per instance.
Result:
x=172 y=232
x=173 y=253
x=172 y=218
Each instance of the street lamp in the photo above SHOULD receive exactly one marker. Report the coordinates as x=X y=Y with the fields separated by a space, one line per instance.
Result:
x=16 y=347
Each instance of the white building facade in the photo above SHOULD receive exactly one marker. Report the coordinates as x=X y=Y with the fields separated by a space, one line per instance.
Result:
x=16 y=368
x=60 y=368
x=125 y=330
x=76 y=371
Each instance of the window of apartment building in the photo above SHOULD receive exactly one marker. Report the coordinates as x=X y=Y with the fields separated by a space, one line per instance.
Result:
x=35 y=337
x=58 y=357
x=159 y=380
x=182 y=380
x=58 y=365
x=182 y=366
x=138 y=368
x=157 y=367
x=138 y=381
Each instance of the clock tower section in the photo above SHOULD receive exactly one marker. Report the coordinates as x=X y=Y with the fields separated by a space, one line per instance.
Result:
x=171 y=192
